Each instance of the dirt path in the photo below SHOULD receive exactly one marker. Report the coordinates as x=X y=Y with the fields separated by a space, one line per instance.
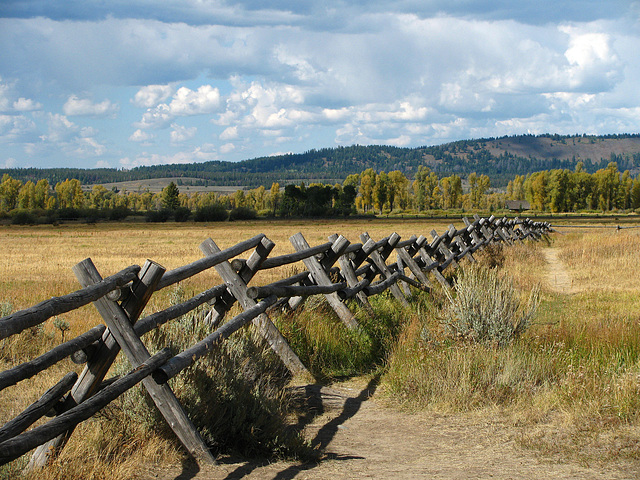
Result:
x=558 y=277
x=360 y=438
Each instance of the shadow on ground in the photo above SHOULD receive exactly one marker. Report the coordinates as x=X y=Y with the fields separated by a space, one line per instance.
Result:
x=315 y=400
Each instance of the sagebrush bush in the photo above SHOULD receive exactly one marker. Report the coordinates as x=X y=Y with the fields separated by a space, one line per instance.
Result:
x=487 y=308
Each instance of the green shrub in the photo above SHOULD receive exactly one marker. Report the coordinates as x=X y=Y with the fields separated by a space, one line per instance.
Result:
x=119 y=213
x=211 y=213
x=157 y=216
x=242 y=213
x=68 y=214
x=329 y=349
x=23 y=217
x=181 y=214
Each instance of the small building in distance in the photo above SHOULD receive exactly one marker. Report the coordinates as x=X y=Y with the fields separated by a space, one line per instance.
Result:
x=517 y=205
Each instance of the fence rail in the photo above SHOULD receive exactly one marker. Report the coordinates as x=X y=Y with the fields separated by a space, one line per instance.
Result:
x=364 y=269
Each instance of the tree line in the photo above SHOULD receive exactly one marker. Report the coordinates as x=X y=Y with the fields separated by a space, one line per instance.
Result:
x=328 y=164
x=367 y=192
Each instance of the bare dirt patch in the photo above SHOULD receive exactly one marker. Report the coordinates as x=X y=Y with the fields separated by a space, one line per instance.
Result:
x=359 y=437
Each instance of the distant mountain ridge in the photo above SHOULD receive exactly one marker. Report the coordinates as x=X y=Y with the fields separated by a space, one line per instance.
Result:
x=499 y=158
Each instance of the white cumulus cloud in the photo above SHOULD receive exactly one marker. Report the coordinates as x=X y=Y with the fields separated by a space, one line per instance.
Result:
x=26 y=105
x=76 y=106
x=152 y=95
x=185 y=102
x=181 y=134
x=141 y=136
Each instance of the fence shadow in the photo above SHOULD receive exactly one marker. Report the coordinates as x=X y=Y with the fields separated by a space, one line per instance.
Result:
x=316 y=399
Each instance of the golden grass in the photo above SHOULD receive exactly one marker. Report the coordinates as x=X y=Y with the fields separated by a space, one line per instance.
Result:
x=36 y=261
x=605 y=259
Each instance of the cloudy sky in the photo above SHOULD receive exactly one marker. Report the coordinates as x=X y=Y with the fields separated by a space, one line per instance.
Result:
x=122 y=83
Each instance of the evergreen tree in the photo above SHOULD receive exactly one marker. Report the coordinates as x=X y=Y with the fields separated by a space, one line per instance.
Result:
x=171 y=196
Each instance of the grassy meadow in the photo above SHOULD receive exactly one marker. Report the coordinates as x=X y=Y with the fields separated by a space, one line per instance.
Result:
x=572 y=378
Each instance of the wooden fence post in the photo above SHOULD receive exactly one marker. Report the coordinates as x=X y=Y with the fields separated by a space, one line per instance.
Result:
x=407 y=259
x=477 y=241
x=246 y=272
x=488 y=236
x=349 y=273
x=379 y=257
x=429 y=265
x=465 y=250
x=321 y=277
x=101 y=360
x=238 y=288
x=122 y=330
x=438 y=242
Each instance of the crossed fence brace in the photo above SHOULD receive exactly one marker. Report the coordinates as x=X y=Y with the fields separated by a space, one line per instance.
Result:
x=363 y=270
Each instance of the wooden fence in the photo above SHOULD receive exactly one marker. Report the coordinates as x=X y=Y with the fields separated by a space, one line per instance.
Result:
x=363 y=269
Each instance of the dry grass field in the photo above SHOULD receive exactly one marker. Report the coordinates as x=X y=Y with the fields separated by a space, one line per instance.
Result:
x=36 y=261
x=573 y=380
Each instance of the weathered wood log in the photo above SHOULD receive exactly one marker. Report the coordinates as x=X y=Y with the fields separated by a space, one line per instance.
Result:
x=293 y=279
x=464 y=249
x=80 y=357
x=319 y=250
x=414 y=283
x=337 y=249
x=30 y=317
x=352 y=248
x=18 y=446
x=439 y=242
x=379 y=257
x=367 y=247
x=38 y=409
x=238 y=287
x=399 y=266
x=321 y=277
x=381 y=286
x=412 y=266
x=430 y=265
x=407 y=243
x=347 y=270
x=165 y=400
x=486 y=233
x=473 y=233
x=296 y=256
x=146 y=324
x=95 y=370
x=53 y=356
x=178 y=274
x=293 y=291
x=246 y=272
x=351 y=292
x=187 y=358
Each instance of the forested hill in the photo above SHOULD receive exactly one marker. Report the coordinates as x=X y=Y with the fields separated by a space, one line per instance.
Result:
x=499 y=158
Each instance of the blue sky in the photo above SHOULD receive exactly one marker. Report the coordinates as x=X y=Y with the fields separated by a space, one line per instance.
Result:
x=138 y=82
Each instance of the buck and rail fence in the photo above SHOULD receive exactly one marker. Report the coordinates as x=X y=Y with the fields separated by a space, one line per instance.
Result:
x=363 y=269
